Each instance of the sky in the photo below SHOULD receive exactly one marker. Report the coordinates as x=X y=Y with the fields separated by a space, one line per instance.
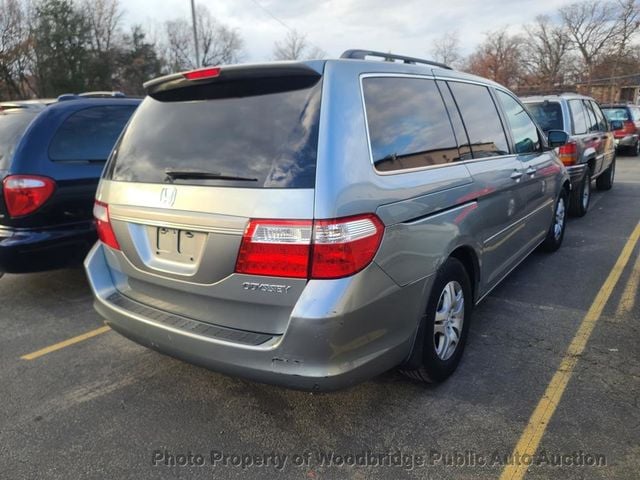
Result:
x=406 y=27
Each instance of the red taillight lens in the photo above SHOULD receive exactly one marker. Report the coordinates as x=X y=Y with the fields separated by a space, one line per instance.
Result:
x=275 y=248
x=345 y=246
x=24 y=194
x=305 y=249
x=202 y=73
x=103 y=225
x=568 y=153
x=629 y=127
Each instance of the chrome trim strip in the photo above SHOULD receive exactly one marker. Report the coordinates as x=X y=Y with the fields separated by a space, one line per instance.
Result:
x=179 y=226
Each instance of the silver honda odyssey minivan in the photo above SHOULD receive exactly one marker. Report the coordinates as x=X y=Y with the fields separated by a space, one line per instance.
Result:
x=314 y=224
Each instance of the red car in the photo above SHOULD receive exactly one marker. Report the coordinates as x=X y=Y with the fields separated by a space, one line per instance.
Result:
x=627 y=137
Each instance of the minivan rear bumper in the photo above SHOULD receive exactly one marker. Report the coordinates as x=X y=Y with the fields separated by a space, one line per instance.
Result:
x=316 y=352
x=27 y=250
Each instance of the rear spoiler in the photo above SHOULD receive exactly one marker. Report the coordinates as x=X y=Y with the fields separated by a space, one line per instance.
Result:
x=201 y=80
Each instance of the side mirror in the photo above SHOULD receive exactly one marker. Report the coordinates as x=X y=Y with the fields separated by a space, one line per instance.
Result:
x=616 y=125
x=557 y=138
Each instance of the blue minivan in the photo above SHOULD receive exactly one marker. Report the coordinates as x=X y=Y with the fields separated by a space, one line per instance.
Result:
x=52 y=153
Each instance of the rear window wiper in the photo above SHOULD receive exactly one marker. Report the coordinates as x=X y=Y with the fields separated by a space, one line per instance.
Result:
x=175 y=174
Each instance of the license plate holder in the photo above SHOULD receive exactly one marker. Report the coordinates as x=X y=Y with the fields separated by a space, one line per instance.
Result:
x=178 y=245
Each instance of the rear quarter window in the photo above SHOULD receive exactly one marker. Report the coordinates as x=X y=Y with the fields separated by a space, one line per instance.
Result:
x=481 y=119
x=12 y=126
x=89 y=134
x=579 y=117
x=408 y=124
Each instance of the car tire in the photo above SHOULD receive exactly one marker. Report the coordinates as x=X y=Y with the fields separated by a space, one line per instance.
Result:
x=634 y=151
x=445 y=324
x=605 y=181
x=555 y=235
x=581 y=197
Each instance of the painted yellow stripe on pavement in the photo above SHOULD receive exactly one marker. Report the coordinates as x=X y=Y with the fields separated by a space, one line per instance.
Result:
x=628 y=299
x=530 y=438
x=65 y=343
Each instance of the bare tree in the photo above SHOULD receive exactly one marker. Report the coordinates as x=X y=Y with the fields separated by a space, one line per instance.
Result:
x=218 y=43
x=592 y=28
x=498 y=58
x=16 y=49
x=295 y=46
x=447 y=49
x=546 y=52
x=628 y=24
x=104 y=18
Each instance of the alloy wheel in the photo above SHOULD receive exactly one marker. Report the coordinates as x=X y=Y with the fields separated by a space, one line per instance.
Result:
x=449 y=320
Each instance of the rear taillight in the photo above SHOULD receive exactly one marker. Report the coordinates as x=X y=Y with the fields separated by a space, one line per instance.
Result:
x=568 y=153
x=629 y=127
x=24 y=194
x=304 y=249
x=103 y=225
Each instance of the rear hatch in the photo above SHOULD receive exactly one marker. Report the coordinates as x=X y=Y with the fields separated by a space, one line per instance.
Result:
x=202 y=156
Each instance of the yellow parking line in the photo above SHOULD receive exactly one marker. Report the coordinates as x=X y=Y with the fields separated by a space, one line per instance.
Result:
x=628 y=299
x=65 y=343
x=530 y=438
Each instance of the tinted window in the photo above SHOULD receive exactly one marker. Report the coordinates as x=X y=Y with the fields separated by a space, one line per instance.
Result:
x=524 y=131
x=271 y=137
x=602 y=123
x=89 y=134
x=408 y=124
x=456 y=121
x=616 y=114
x=481 y=119
x=547 y=114
x=592 y=124
x=12 y=126
x=579 y=117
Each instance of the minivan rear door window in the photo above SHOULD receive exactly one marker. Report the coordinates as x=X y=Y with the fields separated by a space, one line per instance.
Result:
x=481 y=119
x=249 y=133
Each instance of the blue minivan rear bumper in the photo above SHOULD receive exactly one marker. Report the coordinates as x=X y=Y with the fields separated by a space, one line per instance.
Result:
x=25 y=250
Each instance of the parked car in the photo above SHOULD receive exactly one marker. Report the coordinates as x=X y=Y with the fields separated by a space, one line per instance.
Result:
x=590 y=153
x=51 y=155
x=627 y=119
x=313 y=224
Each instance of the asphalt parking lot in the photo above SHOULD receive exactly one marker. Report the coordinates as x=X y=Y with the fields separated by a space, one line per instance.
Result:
x=103 y=407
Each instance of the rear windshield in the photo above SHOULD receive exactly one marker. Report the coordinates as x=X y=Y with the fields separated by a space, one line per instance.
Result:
x=547 y=114
x=12 y=126
x=616 y=114
x=265 y=139
x=89 y=134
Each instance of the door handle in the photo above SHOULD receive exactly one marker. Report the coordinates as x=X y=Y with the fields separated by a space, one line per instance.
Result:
x=516 y=175
x=531 y=170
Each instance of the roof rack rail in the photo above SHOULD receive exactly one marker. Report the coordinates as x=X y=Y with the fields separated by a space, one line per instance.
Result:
x=362 y=54
x=97 y=94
